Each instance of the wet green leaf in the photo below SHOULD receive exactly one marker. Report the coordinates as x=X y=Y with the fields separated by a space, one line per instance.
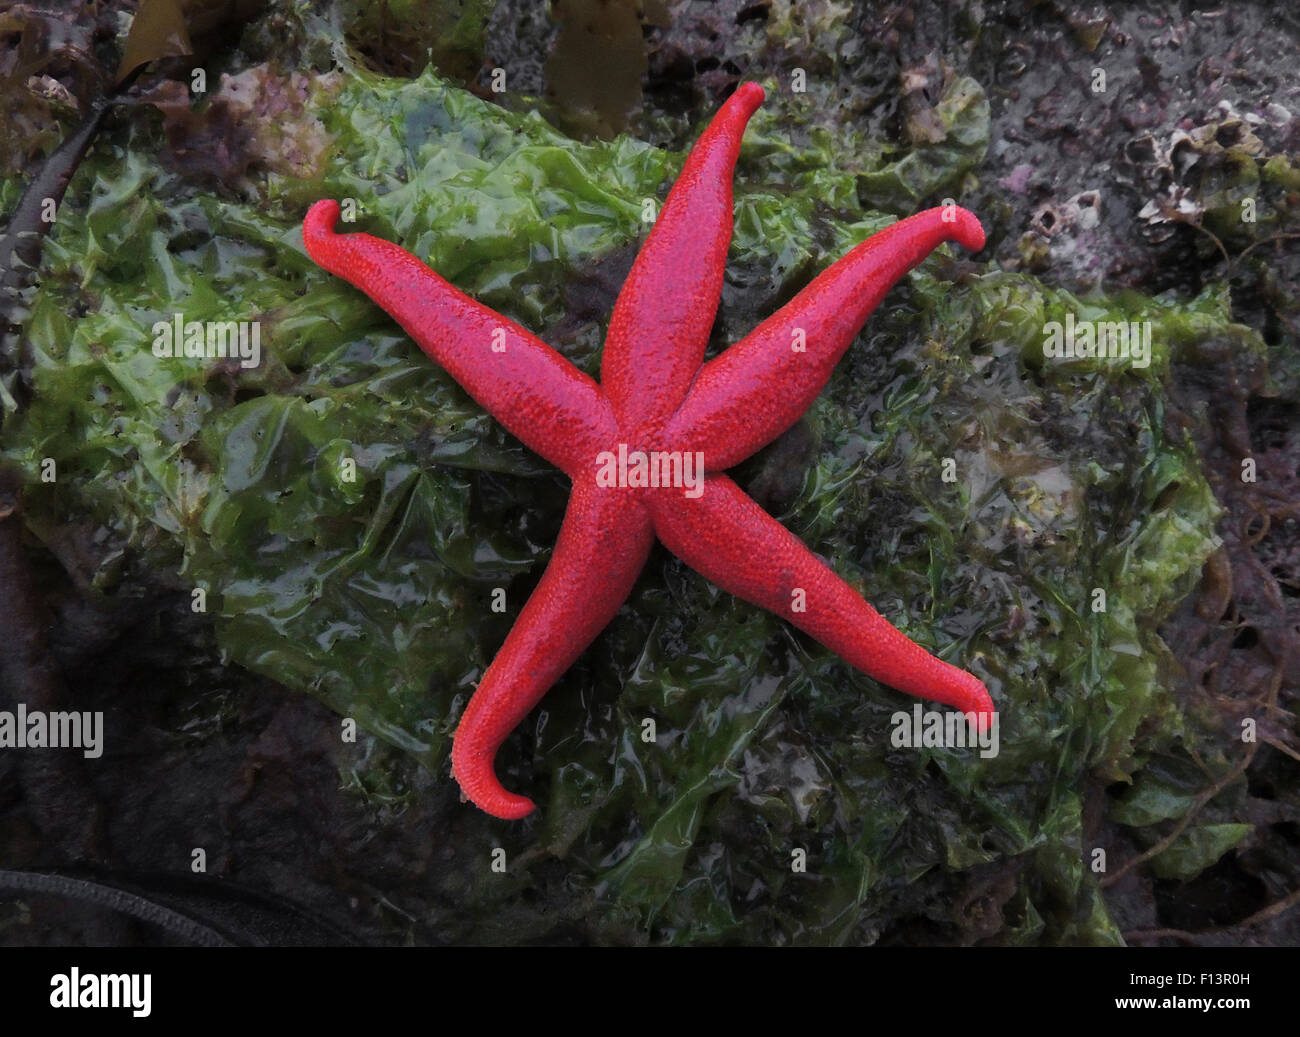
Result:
x=1156 y=796
x=933 y=167
x=1196 y=849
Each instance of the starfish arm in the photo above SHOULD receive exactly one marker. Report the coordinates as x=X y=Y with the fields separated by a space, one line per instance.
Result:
x=661 y=322
x=551 y=406
x=602 y=546
x=728 y=538
x=754 y=391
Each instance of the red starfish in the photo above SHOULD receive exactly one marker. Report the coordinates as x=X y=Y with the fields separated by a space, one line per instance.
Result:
x=660 y=407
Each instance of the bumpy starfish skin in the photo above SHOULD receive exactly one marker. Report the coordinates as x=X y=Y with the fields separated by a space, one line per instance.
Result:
x=656 y=394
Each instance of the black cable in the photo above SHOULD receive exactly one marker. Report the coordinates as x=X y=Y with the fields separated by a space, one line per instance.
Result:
x=87 y=892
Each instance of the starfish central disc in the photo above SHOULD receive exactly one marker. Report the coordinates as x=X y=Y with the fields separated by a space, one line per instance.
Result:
x=646 y=448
